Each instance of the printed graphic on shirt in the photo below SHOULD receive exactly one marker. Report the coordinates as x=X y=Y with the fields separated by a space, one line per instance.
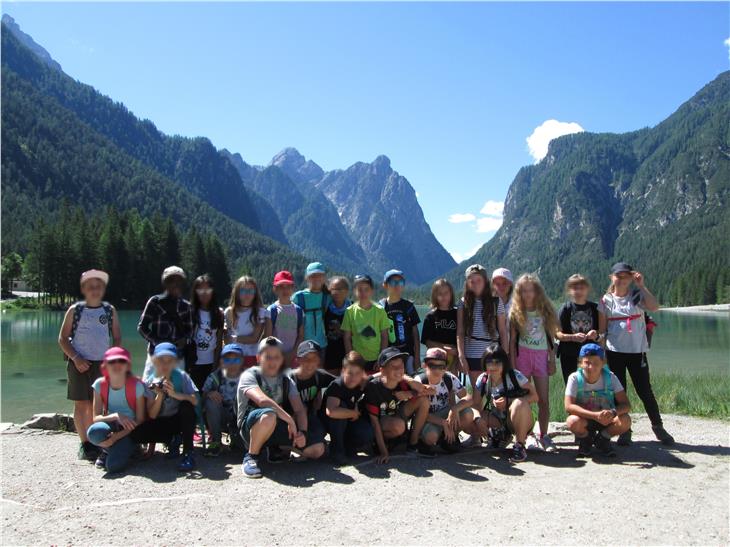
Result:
x=535 y=335
x=581 y=321
x=204 y=336
x=368 y=332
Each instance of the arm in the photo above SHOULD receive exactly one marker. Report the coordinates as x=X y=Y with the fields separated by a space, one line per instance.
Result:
x=513 y=345
x=257 y=395
x=336 y=412
x=81 y=364
x=155 y=405
x=379 y=439
x=384 y=339
x=649 y=301
x=623 y=406
x=347 y=339
x=145 y=323
x=416 y=349
x=502 y=328
x=116 y=328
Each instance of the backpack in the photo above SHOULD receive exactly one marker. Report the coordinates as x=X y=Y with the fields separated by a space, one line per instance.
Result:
x=606 y=392
x=285 y=395
x=79 y=309
x=130 y=390
x=392 y=338
x=274 y=313
x=300 y=300
x=515 y=393
x=217 y=378
x=423 y=377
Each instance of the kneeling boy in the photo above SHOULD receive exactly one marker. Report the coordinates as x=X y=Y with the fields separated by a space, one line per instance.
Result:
x=219 y=393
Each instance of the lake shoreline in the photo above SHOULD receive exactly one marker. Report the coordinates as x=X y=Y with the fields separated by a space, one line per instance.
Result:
x=706 y=309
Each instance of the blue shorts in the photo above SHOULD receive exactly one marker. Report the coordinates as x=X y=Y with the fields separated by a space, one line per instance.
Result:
x=280 y=436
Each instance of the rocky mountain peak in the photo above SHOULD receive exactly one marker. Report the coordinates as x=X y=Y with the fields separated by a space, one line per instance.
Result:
x=296 y=166
x=28 y=42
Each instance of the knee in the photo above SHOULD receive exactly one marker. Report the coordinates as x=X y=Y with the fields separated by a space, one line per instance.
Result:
x=519 y=406
x=576 y=423
x=267 y=421
x=82 y=406
x=98 y=432
x=623 y=423
x=432 y=437
x=394 y=427
x=315 y=451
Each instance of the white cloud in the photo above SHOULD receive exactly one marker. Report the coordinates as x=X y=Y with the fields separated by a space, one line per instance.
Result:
x=458 y=218
x=460 y=257
x=538 y=142
x=727 y=44
x=488 y=224
x=493 y=208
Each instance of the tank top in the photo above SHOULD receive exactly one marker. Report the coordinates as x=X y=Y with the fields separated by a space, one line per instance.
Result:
x=91 y=338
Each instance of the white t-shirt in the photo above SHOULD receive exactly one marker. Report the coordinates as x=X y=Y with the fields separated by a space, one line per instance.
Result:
x=626 y=328
x=206 y=339
x=244 y=327
x=440 y=400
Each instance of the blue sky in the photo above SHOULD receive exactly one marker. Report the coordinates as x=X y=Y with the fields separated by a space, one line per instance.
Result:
x=450 y=92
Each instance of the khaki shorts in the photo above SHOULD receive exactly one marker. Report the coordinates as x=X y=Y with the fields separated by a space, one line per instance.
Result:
x=79 y=383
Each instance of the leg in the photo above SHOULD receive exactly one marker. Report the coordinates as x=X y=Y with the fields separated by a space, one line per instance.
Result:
x=357 y=435
x=577 y=425
x=98 y=432
x=149 y=369
x=118 y=454
x=83 y=416
x=186 y=415
x=418 y=406
x=214 y=417
x=392 y=426
x=337 y=430
x=520 y=415
x=260 y=431
x=315 y=438
x=568 y=365
x=431 y=433
x=617 y=364
x=542 y=387
x=620 y=424
x=639 y=370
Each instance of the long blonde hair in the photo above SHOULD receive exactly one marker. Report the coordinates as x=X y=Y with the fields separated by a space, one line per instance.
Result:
x=543 y=306
x=234 y=304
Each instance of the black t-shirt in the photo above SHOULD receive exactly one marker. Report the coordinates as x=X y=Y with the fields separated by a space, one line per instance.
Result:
x=349 y=398
x=440 y=326
x=310 y=388
x=404 y=316
x=381 y=400
x=335 y=351
x=574 y=319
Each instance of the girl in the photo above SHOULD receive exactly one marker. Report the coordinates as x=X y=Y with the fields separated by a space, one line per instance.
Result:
x=480 y=322
x=578 y=323
x=439 y=325
x=622 y=320
x=314 y=301
x=503 y=285
x=207 y=329
x=339 y=289
x=533 y=325
x=246 y=321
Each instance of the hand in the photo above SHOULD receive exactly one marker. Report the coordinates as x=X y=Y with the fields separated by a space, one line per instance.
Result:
x=639 y=279
x=127 y=423
x=605 y=417
x=292 y=426
x=551 y=366
x=453 y=420
x=169 y=388
x=463 y=365
x=592 y=335
x=449 y=434
x=300 y=440
x=500 y=403
x=354 y=414
x=404 y=395
x=382 y=458
x=81 y=364
x=107 y=443
x=580 y=337
x=215 y=396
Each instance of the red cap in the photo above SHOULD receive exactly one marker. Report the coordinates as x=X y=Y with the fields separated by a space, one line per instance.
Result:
x=283 y=278
x=115 y=353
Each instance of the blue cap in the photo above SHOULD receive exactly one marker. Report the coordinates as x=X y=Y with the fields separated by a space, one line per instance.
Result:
x=308 y=346
x=315 y=268
x=165 y=348
x=392 y=273
x=591 y=349
x=232 y=348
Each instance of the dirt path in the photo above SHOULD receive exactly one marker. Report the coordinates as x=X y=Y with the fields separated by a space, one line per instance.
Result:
x=647 y=495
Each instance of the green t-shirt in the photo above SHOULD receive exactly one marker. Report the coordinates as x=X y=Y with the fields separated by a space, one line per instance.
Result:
x=366 y=327
x=534 y=336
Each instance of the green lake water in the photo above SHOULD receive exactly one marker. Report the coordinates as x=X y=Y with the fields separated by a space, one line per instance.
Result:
x=34 y=374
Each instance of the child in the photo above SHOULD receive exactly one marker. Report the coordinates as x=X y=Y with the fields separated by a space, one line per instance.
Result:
x=311 y=383
x=365 y=326
x=314 y=301
x=171 y=403
x=339 y=289
x=349 y=429
x=118 y=409
x=86 y=332
x=207 y=328
x=533 y=326
x=246 y=321
x=439 y=325
x=624 y=324
x=480 y=322
x=219 y=393
x=578 y=323
x=450 y=407
x=596 y=403
x=287 y=319
x=502 y=287
x=267 y=398
x=507 y=410
x=405 y=319
x=391 y=399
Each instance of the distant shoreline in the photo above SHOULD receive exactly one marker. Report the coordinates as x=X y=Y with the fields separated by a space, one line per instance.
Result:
x=706 y=309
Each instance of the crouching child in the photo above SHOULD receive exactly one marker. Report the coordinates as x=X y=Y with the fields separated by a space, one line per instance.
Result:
x=219 y=394
x=596 y=403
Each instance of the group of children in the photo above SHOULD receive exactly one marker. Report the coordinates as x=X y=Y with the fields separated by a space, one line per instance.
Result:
x=281 y=379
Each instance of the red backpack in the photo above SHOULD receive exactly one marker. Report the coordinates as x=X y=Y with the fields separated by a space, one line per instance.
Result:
x=130 y=389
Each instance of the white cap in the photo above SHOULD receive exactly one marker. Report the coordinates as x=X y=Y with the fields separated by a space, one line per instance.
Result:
x=95 y=274
x=173 y=270
x=503 y=272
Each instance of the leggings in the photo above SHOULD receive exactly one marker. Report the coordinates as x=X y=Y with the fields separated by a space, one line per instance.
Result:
x=162 y=429
x=199 y=373
x=569 y=364
x=638 y=368
x=118 y=454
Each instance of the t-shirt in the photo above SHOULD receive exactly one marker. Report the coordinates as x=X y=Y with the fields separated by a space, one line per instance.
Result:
x=227 y=387
x=206 y=339
x=366 y=325
x=244 y=327
x=272 y=386
x=534 y=336
x=349 y=397
x=380 y=400
x=91 y=337
x=626 y=326
x=313 y=304
x=335 y=351
x=592 y=398
x=117 y=402
x=286 y=327
x=440 y=400
x=480 y=338
x=310 y=388
x=404 y=316
x=574 y=319
x=440 y=326
x=482 y=384
x=170 y=406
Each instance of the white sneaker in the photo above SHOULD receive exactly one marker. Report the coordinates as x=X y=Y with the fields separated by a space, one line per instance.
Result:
x=547 y=444
x=532 y=444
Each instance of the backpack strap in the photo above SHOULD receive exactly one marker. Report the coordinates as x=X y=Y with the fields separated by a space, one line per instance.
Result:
x=78 y=310
x=608 y=385
x=273 y=314
x=109 y=312
x=104 y=393
x=580 y=379
x=130 y=389
x=177 y=379
x=449 y=382
x=300 y=317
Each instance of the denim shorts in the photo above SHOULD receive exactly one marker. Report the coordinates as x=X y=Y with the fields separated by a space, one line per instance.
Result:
x=280 y=436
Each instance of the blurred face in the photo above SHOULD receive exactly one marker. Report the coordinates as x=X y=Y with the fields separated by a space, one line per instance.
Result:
x=363 y=292
x=501 y=286
x=622 y=281
x=578 y=292
x=204 y=293
x=117 y=368
x=308 y=364
x=230 y=360
x=495 y=369
x=315 y=282
x=233 y=371
x=394 y=286
x=174 y=286
x=591 y=365
x=246 y=294
x=284 y=292
x=164 y=365
x=527 y=291
x=475 y=284
x=352 y=376
x=339 y=291
x=443 y=297
x=435 y=369
x=394 y=370
x=271 y=360
x=93 y=290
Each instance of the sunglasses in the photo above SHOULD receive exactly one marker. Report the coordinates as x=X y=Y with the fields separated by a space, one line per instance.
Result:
x=436 y=365
x=116 y=362
x=231 y=360
x=246 y=292
x=495 y=363
x=397 y=283
x=203 y=292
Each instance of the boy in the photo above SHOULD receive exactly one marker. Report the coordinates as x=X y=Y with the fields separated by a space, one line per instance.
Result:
x=365 y=326
x=86 y=332
x=349 y=430
x=267 y=398
x=311 y=383
x=596 y=403
x=449 y=408
x=219 y=393
x=287 y=319
x=405 y=319
x=391 y=399
x=314 y=301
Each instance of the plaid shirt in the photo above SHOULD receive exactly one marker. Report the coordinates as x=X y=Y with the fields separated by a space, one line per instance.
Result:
x=159 y=323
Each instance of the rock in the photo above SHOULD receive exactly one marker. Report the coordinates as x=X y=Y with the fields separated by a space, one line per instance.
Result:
x=51 y=422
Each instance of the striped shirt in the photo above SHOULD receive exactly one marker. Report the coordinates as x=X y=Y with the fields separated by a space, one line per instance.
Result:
x=480 y=338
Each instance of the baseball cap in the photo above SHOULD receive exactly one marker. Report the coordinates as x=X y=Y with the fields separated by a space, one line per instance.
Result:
x=308 y=346
x=474 y=268
x=363 y=278
x=503 y=272
x=95 y=274
x=283 y=278
x=232 y=348
x=270 y=342
x=165 y=348
x=315 y=268
x=621 y=267
x=172 y=271
x=435 y=354
x=390 y=353
x=591 y=349
x=115 y=353
x=392 y=273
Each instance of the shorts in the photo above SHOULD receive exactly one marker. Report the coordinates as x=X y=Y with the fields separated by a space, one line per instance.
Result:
x=315 y=429
x=475 y=364
x=79 y=383
x=532 y=362
x=280 y=436
x=443 y=413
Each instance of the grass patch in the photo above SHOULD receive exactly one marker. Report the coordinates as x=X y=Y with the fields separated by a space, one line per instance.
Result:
x=22 y=303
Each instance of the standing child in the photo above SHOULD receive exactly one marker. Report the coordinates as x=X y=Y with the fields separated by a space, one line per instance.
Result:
x=219 y=394
x=339 y=289
x=405 y=319
x=86 y=333
x=578 y=323
x=439 y=325
x=533 y=325
x=246 y=321
x=365 y=327
x=624 y=323
x=503 y=286
x=480 y=323
x=207 y=328
x=287 y=319
x=314 y=301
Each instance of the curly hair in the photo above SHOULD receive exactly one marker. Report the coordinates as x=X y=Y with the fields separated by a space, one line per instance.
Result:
x=543 y=306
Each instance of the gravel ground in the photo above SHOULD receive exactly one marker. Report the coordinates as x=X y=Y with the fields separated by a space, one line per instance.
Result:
x=648 y=495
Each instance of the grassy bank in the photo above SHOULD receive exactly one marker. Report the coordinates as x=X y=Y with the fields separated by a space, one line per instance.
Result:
x=24 y=303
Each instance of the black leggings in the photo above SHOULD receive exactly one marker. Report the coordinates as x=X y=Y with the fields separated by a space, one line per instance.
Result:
x=568 y=364
x=638 y=368
x=199 y=373
x=162 y=429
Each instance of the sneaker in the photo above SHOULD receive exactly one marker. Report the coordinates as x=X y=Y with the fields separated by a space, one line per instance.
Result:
x=187 y=463
x=471 y=441
x=604 y=446
x=533 y=444
x=519 y=453
x=584 y=446
x=173 y=449
x=338 y=460
x=422 y=450
x=547 y=444
x=101 y=460
x=450 y=448
x=197 y=438
x=213 y=450
x=277 y=455
x=88 y=451
x=662 y=436
x=624 y=439
x=250 y=467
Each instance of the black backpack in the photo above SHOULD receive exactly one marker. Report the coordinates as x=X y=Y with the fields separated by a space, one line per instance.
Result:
x=515 y=393
x=423 y=377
